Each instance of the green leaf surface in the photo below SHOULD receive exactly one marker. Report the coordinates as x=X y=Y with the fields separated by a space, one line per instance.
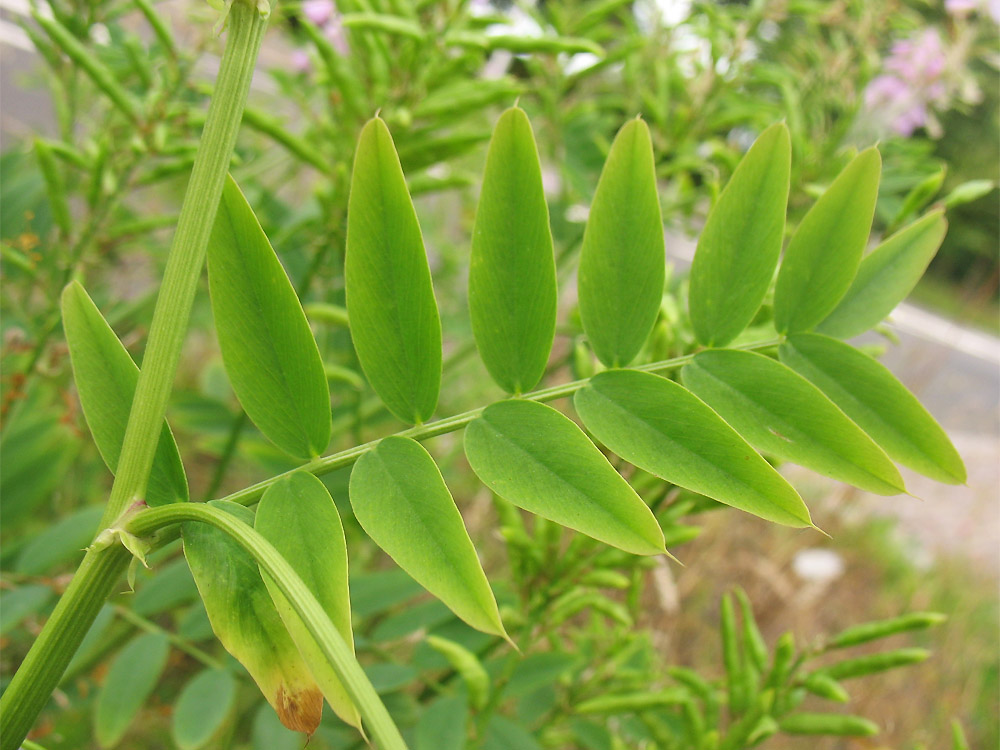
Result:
x=512 y=272
x=823 y=254
x=886 y=276
x=298 y=516
x=106 y=378
x=739 y=247
x=402 y=502
x=247 y=623
x=390 y=298
x=504 y=734
x=267 y=347
x=131 y=678
x=202 y=708
x=16 y=604
x=664 y=429
x=622 y=260
x=541 y=461
x=877 y=402
x=170 y=586
x=781 y=413
x=60 y=542
x=442 y=725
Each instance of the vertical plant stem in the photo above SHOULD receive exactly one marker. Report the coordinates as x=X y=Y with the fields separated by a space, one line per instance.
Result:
x=187 y=256
x=45 y=663
x=102 y=568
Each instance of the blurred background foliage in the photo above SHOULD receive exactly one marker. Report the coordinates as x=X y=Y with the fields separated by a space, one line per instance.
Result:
x=92 y=192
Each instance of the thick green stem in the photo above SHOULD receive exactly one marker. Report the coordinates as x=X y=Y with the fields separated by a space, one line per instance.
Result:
x=102 y=568
x=317 y=622
x=46 y=661
x=187 y=256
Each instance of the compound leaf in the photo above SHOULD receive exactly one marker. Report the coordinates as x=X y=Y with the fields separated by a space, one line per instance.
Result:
x=823 y=254
x=539 y=460
x=622 y=260
x=298 y=516
x=267 y=347
x=739 y=247
x=512 y=272
x=390 y=298
x=781 y=413
x=402 y=502
x=664 y=429
x=106 y=378
x=877 y=402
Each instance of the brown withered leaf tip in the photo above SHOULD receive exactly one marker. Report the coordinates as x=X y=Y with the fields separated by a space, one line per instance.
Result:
x=300 y=711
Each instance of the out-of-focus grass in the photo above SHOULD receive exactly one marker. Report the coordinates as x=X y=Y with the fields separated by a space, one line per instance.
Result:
x=883 y=576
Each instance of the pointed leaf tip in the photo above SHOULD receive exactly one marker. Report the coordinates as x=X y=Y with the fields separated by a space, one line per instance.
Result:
x=390 y=297
x=541 y=461
x=512 y=275
x=739 y=247
x=622 y=263
x=401 y=501
x=267 y=346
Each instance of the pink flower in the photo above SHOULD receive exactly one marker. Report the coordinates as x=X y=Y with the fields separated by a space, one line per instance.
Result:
x=318 y=12
x=300 y=61
x=962 y=7
x=334 y=31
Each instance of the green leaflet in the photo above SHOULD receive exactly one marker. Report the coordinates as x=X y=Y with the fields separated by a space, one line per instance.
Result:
x=202 y=708
x=105 y=378
x=402 y=502
x=390 y=298
x=823 y=254
x=130 y=680
x=512 y=272
x=739 y=247
x=64 y=540
x=442 y=725
x=267 y=347
x=246 y=622
x=664 y=429
x=298 y=516
x=878 y=403
x=781 y=413
x=622 y=259
x=886 y=276
x=539 y=460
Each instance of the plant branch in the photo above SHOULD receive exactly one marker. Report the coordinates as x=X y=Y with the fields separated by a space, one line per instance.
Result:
x=186 y=259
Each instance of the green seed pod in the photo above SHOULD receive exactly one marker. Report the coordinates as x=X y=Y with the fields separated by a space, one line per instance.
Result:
x=731 y=657
x=55 y=187
x=605 y=579
x=871 y=631
x=752 y=639
x=764 y=728
x=633 y=702
x=876 y=663
x=784 y=653
x=840 y=725
x=825 y=687
x=467 y=665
